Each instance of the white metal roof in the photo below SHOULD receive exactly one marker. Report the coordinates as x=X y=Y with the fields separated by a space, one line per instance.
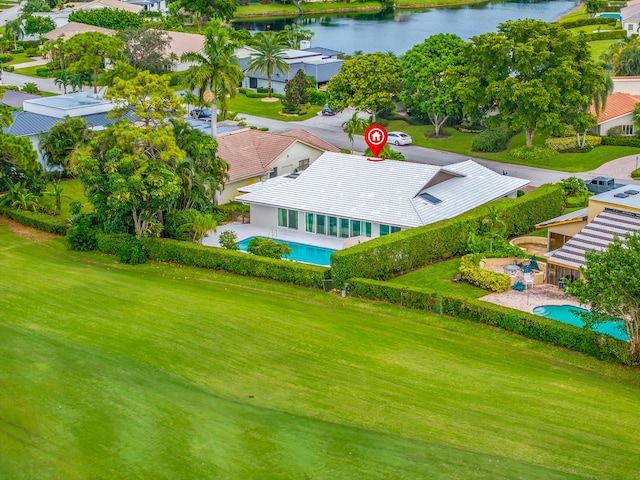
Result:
x=386 y=192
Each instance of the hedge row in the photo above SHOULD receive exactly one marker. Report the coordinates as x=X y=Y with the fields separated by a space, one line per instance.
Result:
x=608 y=35
x=492 y=140
x=112 y=242
x=621 y=141
x=382 y=258
x=41 y=221
x=480 y=277
x=167 y=250
x=526 y=324
x=564 y=144
x=589 y=21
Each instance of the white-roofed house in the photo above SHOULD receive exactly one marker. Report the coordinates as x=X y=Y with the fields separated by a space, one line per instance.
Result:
x=341 y=196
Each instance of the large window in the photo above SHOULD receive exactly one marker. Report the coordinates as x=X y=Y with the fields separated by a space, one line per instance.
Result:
x=253 y=82
x=333 y=226
x=293 y=219
x=288 y=218
x=303 y=164
x=310 y=223
x=355 y=228
x=366 y=229
x=344 y=228
x=282 y=217
x=387 y=229
x=321 y=224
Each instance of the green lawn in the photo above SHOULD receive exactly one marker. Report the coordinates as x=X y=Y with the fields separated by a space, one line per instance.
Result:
x=20 y=58
x=439 y=277
x=71 y=190
x=255 y=106
x=461 y=143
x=30 y=71
x=159 y=371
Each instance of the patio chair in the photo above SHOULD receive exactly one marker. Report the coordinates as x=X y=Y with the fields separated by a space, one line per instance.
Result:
x=534 y=263
x=528 y=280
x=519 y=286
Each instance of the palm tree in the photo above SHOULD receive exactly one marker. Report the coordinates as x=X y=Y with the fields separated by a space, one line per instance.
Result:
x=13 y=29
x=353 y=125
x=216 y=68
x=190 y=98
x=56 y=193
x=600 y=97
x=269 y=57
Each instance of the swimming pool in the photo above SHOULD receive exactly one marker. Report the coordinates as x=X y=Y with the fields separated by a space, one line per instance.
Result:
x=300 y=252
x=568 y=314
x=617 y=16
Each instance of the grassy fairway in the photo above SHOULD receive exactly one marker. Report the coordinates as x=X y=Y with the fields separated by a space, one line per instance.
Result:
x=158 y=371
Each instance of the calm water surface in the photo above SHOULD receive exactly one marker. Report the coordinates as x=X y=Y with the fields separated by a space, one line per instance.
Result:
x=398 y=31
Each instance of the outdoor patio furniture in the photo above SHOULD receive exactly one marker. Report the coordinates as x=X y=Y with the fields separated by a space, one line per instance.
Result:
x=518 y=286
x=511 y=269
x=534 y=263
x=528 y=280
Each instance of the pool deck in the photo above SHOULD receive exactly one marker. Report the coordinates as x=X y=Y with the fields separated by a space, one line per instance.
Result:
x=247 y=230
x=532 y=297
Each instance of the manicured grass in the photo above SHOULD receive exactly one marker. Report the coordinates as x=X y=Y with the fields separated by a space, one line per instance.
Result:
x=161 y=371
x=255 y=106
x=461 y=143
x=71 y=190
x=20 y=58
x=576 y=14
x=598 y=47
x=30 y=71
x=439 y=277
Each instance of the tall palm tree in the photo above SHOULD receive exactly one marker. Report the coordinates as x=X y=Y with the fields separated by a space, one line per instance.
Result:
x=190 y=98
x=216 y=68
x=13 y=29
x=600 y=97
x=269 y=57
x=353 y=125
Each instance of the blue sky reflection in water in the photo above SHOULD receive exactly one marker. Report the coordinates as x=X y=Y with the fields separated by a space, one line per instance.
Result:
x=400 y=30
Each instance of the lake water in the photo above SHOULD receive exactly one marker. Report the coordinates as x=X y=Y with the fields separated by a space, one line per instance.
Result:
x=400 y=30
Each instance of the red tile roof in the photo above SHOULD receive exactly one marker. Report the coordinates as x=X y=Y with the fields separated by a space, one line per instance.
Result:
x=618 y=104
x=251 y=152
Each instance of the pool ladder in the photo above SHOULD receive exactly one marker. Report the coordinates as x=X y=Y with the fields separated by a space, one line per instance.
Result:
x=273 y=233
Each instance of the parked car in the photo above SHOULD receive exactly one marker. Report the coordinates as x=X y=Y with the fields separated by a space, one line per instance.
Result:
x=603 y=184
x=327 y=111
x=201 y=114
x=399 y=138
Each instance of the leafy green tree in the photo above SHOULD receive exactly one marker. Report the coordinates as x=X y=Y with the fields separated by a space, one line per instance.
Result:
x=593 y=7
x=229 y=240
x=89 y=51
x=6 y=119
x=354 y=125
x=58 y=143
x=535 y=74
x=266 y=247
x=294 y=33
x=366 y=82
x=118 y=70
x=628 y=62
x=610 y=285
x=30 y=87
x=202 y=225
x=13 y=29
x=148 y=96
x=269 y=57
x=56 y=193
x=146 y=49
x=386 y=152
x=208 y=9
x=573 y=187
x=18 y=159
x=295 y=91
x=215 y=69
x=427 y=93
x=38 y=25
x=31 y=6
x=494 y=226
x=108 y=18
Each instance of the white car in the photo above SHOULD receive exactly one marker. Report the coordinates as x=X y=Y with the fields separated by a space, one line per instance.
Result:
x=399 y=138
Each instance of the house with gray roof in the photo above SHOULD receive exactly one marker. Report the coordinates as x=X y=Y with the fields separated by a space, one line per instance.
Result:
x=630 y=19
x=40 y=114
x=345 y=196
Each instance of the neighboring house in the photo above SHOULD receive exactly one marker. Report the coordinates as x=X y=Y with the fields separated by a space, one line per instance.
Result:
x=74 y=28
x=630 y=17
x=181 y=43
x=254 y=156
x=40 y=114
x=61 y=16
x=629 y=84
x=149 y=5
x=618 y=114
x=318 y=63
x=344 y=196
x=570 y=236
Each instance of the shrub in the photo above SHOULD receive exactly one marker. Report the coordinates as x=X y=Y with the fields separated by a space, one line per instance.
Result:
x=82 y=233
x=8 y=68
x=589 y=21
x=178 y=224
x=607 y=35
x=5 y=58
x=112 y=242
x=229 y=240
x=636 y=174
x=570 y=144
x=382 y=122
x=17 y=50
x=31 y=52
x=492 y=140
x=132 y=252
x=526 y=324
x=29 y=44
x=489 y=280
x=266 y=247
x=383 y=257
x=535 y=152
x=621 y=142
x=166 y=250
x=262 y=90
x=317 y=97
x=42 y=72
x=252 y=94
x=37 y=220
x=75 y=207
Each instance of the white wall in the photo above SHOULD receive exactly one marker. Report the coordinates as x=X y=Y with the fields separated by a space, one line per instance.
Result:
x=289 y=161
x=630 y=85
x=604 y=127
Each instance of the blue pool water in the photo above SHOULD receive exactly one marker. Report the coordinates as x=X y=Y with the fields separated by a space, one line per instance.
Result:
x=300 y=252
x=610 y=15
x=568 y=314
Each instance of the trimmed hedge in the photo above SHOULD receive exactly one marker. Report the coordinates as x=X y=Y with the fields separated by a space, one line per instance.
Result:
x=112 y=242
x=608 y=35
x=167 y=250
x=566 y=144
x=621 y=141
x=37 y=220
x=492 y=140
x=382 y=258
x=480 y=277
x=603 y=347
x=589 y=21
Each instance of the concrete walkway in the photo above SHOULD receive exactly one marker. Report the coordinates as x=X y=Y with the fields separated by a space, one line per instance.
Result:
x=36 y=62
x=9 y=14
x=620 y=168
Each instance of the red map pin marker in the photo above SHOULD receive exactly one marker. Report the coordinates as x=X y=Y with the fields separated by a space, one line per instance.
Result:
x=376 y=137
